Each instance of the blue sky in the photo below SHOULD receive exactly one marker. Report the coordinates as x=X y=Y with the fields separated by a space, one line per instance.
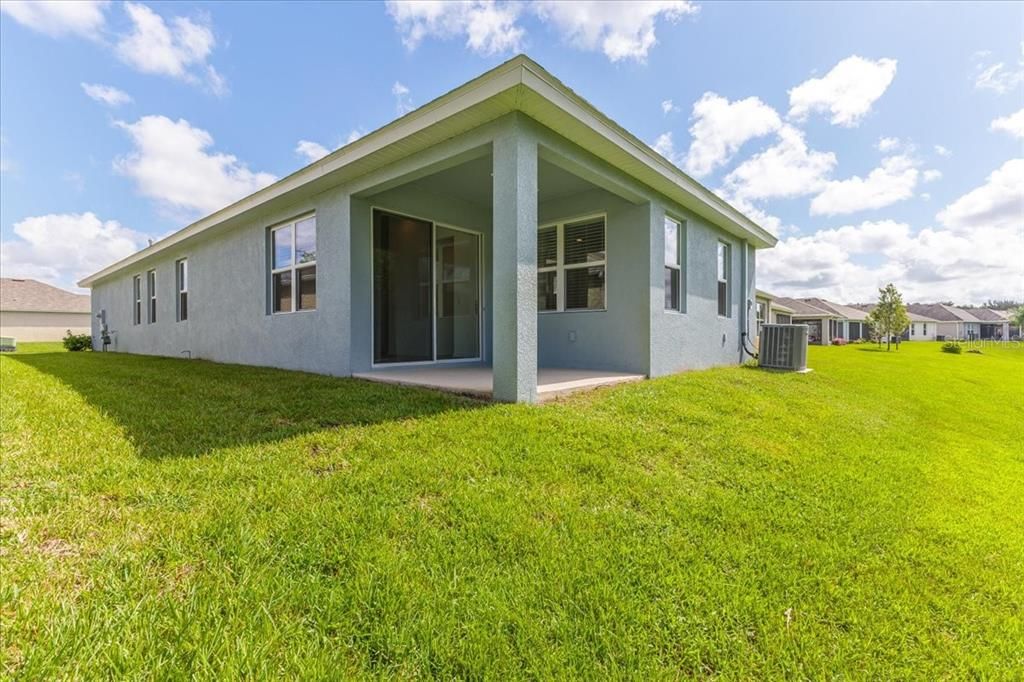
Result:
x=881 y=142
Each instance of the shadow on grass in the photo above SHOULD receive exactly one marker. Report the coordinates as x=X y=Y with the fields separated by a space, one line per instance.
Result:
x=184 y=408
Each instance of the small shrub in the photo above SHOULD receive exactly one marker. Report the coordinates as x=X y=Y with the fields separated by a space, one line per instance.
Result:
x=975 y=351
x=952 y=347
x=839 y=341
x=77 y=342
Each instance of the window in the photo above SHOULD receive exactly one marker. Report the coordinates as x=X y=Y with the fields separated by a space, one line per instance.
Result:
x=137 y=298
x=924 y=329
x=293 y=266
x=912 y=328
x=181 y=275
x=724 y=267
x=761 y=310
x=571 y=266
x=151 y=290
x=673 y=265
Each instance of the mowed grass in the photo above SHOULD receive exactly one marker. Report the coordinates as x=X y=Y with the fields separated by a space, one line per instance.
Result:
x=166 y=518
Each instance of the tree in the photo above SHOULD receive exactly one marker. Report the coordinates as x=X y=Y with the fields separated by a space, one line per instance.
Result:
x=889 y=318
x=1017 y=317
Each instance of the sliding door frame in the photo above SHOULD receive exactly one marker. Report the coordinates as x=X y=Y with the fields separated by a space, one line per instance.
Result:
x=480 y=308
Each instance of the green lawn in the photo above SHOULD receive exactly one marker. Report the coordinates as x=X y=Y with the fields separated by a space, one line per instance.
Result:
x=164 y=517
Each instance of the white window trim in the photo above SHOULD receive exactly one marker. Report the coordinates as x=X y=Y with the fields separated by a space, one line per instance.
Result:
x=151 y=297
x=728 y=278
x=680 y=261
x=178 y=282
x=560 y=266
x=137 y=300
x=294 y=267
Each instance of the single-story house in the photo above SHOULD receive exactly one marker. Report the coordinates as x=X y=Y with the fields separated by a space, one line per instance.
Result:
x=770 y=310
x=34 y=311
x=993 y=324
x=506 y=238
x=827 y=321
x=921 y=328
x=965 y=324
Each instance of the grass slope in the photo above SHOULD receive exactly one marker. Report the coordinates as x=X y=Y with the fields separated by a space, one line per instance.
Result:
x=163 y=517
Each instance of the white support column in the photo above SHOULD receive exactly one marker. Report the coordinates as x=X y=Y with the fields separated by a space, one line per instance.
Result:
x=515 y=266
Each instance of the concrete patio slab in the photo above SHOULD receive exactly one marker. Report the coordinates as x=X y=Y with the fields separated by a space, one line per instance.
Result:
x=478 y=380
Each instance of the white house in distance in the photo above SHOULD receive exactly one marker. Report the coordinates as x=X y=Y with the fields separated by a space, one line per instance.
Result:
x=34 y=311
x=967 y=324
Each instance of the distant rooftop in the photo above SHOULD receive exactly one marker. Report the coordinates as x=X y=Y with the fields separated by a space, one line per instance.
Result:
x=29 y=295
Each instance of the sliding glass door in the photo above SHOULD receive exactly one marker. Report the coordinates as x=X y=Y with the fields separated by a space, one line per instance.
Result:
x=457 y=294
x=426 y=291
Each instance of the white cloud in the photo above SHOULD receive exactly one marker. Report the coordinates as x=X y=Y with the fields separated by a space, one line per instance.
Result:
x=888 y=144
x=893 y=181
x=847 y=92
x=668 y=107
x=312 y=151
x=721 y=127
x=848 y=264
x=997 y=77
x=931 y=175
x=179 y=50
x=974 y=256
x=488 y=27
x=786 y=169
x=621 y=30
x=999 y=203
x=666 y=146
x=57 y=18
x=1012 y=124
x=171 y=163
x=62 y=248
x=942 y=151
x=106 y=94
x=403 y=103
x=759 y=215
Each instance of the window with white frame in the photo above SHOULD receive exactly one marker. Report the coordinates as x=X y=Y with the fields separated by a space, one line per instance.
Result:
x=181 y=277
x=571 y=264
x=293 y=265
x=724 y=267
x=673 y=265
x=137 y=299
x=924 y=328
x=151 y=291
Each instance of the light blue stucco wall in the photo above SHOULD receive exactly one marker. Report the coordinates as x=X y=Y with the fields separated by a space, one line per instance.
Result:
x=614 y=338
x=229 y=322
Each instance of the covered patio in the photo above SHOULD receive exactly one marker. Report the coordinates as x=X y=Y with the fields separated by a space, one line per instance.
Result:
x=483 y=269
x=477 y=380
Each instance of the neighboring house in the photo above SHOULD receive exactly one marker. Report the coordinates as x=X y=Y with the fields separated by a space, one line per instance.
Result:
x=921 y=328
x=505 y=226
x=825 y=320
x=993 y=324
x=34 y=311
x=952 y=322
x=770 y=310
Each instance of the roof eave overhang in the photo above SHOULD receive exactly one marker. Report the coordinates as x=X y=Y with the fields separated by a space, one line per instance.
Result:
x=517 y=85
